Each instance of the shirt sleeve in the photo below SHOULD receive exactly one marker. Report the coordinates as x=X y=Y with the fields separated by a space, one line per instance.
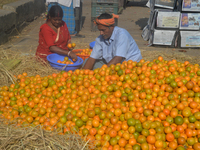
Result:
x=47 y=36
x=122 y=45
x=97 y=52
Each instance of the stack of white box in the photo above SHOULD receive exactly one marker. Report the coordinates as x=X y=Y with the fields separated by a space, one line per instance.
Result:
x=175 y=25
x=190 y=23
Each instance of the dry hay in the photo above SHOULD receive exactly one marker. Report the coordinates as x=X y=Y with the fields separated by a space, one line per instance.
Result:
x=13 y=137
x=29 y=63
x=150 y=55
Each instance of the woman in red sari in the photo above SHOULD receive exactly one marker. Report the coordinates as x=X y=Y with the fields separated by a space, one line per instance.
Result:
x=54 y=35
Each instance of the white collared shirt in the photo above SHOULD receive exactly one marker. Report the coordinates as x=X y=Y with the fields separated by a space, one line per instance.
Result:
x=120 y=44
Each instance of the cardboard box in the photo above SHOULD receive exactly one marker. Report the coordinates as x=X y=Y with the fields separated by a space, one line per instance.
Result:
x=191 y=5
x=168 y=19
x=163 y=37
x=190 y=21
x=190 y=38
x=165 y=3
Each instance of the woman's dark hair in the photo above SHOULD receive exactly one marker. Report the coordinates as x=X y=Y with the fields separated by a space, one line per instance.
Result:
x=105 y=16
x=55 y=11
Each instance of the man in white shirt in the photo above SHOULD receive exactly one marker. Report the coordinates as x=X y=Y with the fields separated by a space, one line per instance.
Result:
x=113 y=46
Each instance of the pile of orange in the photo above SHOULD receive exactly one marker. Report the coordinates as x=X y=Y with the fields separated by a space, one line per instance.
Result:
x=129 y=106
x=65 y=61
x=85 y=52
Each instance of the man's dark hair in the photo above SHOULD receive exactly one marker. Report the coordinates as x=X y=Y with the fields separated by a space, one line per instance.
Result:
x=105 y=16
x=55 y=11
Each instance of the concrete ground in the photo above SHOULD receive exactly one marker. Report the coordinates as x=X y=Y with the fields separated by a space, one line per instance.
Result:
x=133 y=19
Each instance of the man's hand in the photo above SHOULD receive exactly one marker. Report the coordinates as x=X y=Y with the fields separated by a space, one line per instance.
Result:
x=89 y=63
x=115 y=60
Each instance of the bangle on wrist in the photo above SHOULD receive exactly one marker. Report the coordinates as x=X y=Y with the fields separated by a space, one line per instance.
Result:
x=68 y=53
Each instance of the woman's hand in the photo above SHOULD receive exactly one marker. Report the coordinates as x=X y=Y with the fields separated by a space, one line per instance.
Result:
x=70 y=46
x=70 y=49
x=73 y=56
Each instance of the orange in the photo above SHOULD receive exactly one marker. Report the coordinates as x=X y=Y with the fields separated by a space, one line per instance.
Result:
x=151 y=139
x=170 y=137
x=73 y=45
x=69 y=45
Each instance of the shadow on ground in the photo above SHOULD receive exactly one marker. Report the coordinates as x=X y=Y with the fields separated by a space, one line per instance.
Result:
x=141 y=4
x=142 y=22
x=83 y=21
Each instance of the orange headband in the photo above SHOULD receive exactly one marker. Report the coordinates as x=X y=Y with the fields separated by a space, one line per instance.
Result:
x=106 y=22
